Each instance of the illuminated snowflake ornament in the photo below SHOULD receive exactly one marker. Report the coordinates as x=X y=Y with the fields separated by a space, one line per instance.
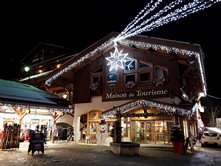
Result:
x=128 y=64
x=116 y=59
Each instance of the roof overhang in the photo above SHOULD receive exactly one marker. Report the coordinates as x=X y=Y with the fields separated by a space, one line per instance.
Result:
x=14 y=94
x=183 y=50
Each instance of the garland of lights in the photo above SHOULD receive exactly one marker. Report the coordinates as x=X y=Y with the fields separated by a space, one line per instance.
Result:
x=79 y=61
x=53 y=109
x=124 y=108
x=159 y=20
x=139 y=17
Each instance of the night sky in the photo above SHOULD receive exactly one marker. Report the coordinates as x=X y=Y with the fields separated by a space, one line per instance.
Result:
x=79 y=25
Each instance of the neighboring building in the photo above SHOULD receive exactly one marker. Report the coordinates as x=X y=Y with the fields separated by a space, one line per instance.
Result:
x=41 y=60
x=29 y=107
x=158 y=83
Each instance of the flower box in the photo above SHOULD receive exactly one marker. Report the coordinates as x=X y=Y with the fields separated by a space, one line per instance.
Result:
x=130 y=84
x=94 y=86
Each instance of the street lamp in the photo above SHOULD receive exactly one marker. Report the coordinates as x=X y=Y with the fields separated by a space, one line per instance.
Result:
x=27 y=69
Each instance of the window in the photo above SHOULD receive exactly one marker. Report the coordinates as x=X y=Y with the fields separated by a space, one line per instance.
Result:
x=96 y=76
x=131 y=78
x=160 y=72
x=160 y=76
x=145 y=72
x=145 y=65
x=137 y=71
x=145 y=77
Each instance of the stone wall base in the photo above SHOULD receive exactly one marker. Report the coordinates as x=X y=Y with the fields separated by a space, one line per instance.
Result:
x=125 y=148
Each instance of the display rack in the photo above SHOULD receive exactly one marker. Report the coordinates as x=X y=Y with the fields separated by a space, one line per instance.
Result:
x=10 y=136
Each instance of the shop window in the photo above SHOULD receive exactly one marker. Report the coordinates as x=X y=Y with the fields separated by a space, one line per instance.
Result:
x=93 y=127
x=125 y=127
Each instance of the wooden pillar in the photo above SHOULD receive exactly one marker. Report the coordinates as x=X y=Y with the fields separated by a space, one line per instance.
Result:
x=21 y=114
x=55 y=117
x=117 y=128
x=54 y=126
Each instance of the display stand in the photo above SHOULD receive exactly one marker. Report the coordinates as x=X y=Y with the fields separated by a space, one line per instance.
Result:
x=36 y=143
x=10 y=136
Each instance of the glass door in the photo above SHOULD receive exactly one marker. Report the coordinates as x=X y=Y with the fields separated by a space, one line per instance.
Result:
x=150 y=132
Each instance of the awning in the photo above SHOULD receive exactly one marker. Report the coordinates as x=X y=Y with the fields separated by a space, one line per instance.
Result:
x=23 y=95
x=149 y=103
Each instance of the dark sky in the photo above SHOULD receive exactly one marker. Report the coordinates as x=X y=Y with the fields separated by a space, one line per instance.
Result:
x=79 y=25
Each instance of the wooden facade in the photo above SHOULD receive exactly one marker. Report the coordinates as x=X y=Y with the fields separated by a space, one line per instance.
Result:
x=166 y=73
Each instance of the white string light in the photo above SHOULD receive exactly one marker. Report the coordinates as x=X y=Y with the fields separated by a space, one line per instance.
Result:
x=159 y=20
x=50 y=108
x=151 y=104
x=139 y=17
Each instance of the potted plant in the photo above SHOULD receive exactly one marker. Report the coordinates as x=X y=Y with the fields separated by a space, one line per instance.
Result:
x=177 y=139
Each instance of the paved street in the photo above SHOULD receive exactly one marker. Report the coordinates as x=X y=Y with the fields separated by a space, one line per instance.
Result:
x=65 y=154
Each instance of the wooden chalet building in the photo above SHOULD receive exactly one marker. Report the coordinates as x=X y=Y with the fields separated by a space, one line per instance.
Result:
x=154 y=83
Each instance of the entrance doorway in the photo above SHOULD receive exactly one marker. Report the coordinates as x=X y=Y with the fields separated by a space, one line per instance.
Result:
x=151 y=132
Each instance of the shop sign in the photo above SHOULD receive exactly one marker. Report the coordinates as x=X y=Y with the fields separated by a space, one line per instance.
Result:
x=126 y=115
x=137 y=94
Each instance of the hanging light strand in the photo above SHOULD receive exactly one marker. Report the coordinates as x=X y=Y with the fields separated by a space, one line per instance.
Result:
x=159 y=20
x=140 y=16
x=132 y=28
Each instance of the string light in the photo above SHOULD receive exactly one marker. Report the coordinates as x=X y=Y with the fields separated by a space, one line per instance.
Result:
x=159 y=20
x=53 y=109
x=79 y=61
x=159 y=106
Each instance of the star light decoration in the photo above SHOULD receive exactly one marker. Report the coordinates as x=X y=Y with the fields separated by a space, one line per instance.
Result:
x=116 y=59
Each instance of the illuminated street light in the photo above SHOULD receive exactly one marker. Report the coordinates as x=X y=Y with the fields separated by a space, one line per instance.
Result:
x=27 y=68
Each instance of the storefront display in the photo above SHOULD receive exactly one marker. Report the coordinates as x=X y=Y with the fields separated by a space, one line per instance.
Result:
x=10 y=135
